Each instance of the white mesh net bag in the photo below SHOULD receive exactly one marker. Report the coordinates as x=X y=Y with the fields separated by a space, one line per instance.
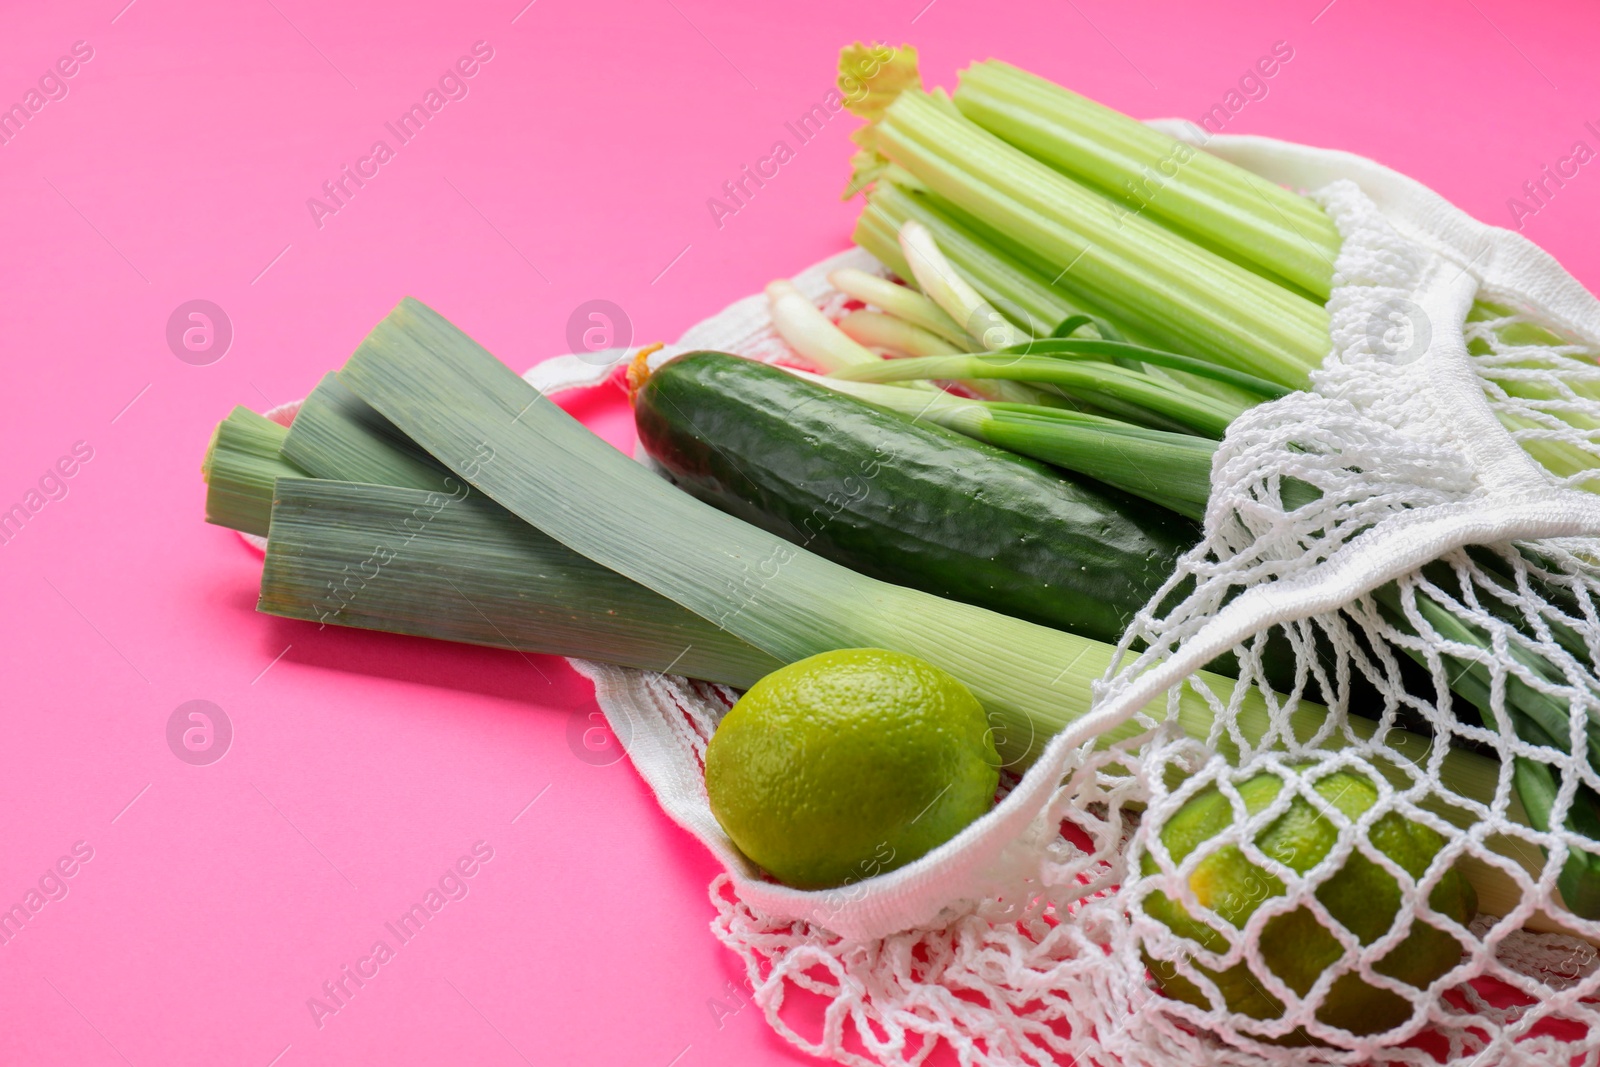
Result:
x=1396 y=537
x=1398 y=541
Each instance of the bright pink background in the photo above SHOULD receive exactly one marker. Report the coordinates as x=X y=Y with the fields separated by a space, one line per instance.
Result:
x=362 y=765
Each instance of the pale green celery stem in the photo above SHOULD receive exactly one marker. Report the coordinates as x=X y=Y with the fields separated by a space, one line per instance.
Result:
x=1560 y=458
x=975 y=247
x=947 y=288
x=900 y=301
x=1541 y=396
x=1114 y=257
x=1192 y=299
x=1267 y=228
x=809 y=332
x=877 y=330
x=1517 y=333
x=1062 y=201
x=1146 y=145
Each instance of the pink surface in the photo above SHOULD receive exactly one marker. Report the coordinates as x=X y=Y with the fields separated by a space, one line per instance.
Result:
x=177 y=166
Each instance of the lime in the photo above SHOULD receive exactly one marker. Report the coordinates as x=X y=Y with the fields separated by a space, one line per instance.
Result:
x=1360 y=895
x=850 y=763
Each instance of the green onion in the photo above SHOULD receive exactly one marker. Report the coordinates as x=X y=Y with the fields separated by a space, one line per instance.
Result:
x=1536 y=786
x=1170 y=469
x=947 y=288
x=874 y=329
x=1137 y=356
x=1137 y=397
x=901 y=302
x=1020 y=293
x=809 y=332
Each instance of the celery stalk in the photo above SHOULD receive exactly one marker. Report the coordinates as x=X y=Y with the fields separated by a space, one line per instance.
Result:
x=1190 y=299
x=1220 y=205
x=461 y=568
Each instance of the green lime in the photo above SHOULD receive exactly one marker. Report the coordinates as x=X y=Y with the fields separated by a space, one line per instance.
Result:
x=850 y=763
x=1361 y=896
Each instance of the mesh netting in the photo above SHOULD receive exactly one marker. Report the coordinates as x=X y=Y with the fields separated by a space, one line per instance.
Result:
x=1399 y=564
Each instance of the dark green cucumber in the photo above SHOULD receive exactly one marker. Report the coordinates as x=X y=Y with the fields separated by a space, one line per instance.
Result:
x=904 y=501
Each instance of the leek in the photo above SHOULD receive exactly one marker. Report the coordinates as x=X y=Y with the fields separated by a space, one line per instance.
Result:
x=242 y=462
x=336 y=435
x=460 y=568
x=431 y=564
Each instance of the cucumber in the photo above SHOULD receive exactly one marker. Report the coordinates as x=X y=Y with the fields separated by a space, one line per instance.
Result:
x=904 y=501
